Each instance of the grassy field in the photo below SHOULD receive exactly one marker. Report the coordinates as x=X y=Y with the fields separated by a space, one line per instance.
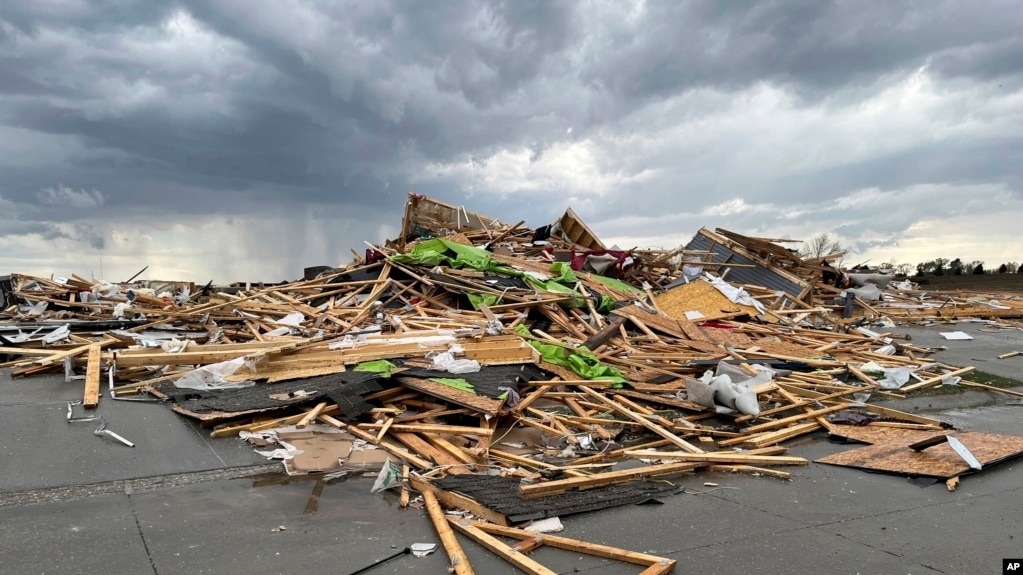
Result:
x=990 y=282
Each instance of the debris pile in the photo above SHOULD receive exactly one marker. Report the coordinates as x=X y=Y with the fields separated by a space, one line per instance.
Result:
x=512 y=372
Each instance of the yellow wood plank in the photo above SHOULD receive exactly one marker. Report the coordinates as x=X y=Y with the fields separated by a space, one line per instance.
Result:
x=92 y=374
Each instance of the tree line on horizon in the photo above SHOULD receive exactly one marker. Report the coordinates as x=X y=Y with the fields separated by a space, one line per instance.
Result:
x=957 y=267
x=825 y=245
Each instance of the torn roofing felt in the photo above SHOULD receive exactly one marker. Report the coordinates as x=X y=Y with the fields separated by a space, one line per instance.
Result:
x=490 y=379
x=348 y=384
x=501 y=494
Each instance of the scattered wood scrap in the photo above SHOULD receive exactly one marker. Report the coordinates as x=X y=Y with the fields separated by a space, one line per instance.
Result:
x=468 y=347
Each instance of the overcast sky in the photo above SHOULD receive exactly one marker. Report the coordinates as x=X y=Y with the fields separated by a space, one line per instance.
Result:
x=247 y=139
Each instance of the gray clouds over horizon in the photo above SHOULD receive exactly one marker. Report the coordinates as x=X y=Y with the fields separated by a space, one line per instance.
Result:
x=246 y=140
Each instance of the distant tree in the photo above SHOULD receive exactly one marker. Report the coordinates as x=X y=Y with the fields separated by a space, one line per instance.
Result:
x=904 y=269
x=1011 y=267
x=956 y=267
x=978 y=270
x=821 y=245
x=971 y=266
x=939 y=266
x=1003 y=268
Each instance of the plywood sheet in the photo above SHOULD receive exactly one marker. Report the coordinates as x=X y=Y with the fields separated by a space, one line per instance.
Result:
x=876 y=435
x=699 y=296
x=452 y=395
x=725 y=336
x=774 y=345
x=938 y=461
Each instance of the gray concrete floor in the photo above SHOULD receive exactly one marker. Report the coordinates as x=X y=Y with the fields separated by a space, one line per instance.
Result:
x=183 y=503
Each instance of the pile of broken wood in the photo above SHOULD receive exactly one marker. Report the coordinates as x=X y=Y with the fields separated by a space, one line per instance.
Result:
x=511 y=371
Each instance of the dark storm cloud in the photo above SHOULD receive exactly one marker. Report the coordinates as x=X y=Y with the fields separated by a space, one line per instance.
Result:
x=177 y=110
x=814 y=46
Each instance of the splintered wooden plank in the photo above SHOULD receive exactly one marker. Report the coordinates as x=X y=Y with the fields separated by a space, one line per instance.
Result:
x=532 y=463
x=640 y=419
x=602 y=479
x=655 y=565
x=452 y=395
x=719 y=457
x=654 y=321
x=432 y=428
x=499 y=548
x=787 y=420
x=936 y=380
x=459 y=563
x=938 y=461
x=453 y=500
x=391 y=448
x=752 y=470
x=772 y=437
x=424 y=449
x=92 y=373
x=670 y=400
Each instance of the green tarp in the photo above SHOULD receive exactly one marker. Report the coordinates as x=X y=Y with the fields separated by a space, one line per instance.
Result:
x=580 y=360
x=381 y=366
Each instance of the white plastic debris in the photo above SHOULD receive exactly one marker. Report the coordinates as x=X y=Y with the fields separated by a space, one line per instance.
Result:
x=422 y=549
x=213 y=376
x=446 y=362
x=292 y=320
x=58 y=335
x=734 y=294
x=389 y=476
x=175 y=345
x=121 y=310
x=548 y=525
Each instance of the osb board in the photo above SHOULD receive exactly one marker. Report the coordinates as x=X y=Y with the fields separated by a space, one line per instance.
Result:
x=692 y=330
x=706 y=347
x=452 y=395
x=937 y=461
x=773 y=345
x=725 y=336
x=653 y=321
x=699 y=296
x=878 y=434
x=213 y=416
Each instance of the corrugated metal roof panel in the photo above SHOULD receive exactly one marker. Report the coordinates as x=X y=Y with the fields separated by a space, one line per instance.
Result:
x=759 y=275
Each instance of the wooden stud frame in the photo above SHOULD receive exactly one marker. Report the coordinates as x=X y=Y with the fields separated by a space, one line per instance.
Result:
x=483 y=533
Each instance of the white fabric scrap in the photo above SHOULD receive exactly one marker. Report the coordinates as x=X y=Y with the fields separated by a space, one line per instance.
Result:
x=175 y=345
x=213 y=376
x=896 y=377
x=548 y=525
x=734 y=294
x=57 y=335
x=294 y=319
x=691 y=272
